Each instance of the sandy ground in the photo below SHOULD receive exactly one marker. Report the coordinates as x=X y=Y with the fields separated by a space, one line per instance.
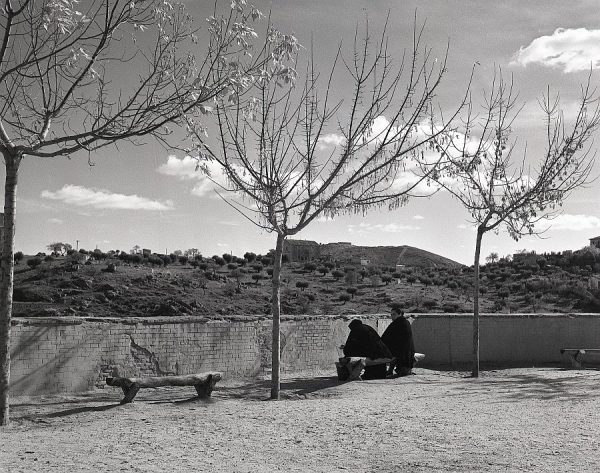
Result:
x=507 y=420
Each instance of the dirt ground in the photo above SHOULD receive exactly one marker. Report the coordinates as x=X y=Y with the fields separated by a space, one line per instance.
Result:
x=536 y=419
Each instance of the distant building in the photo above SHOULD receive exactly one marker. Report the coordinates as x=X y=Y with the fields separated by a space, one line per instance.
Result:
x=526 y=257
x=365 y=262
x=301 y=250
x=146 y=252
x=595 y=242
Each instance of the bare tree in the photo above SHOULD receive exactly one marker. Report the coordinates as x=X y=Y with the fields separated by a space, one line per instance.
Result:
x=498 y=188
x=274 y=150
x=59 y=92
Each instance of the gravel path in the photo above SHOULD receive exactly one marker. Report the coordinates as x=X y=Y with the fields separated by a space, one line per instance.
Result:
x=507 y=420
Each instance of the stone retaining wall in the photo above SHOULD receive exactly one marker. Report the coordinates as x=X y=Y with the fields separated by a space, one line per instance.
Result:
x=52 y=355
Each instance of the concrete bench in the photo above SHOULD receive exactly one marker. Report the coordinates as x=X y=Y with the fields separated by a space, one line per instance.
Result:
x=203 y=382
x=577 y=354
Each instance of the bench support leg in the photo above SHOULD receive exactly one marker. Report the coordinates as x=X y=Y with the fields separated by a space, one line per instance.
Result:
x=129 y=392
x=205 y=389
x=576 y=360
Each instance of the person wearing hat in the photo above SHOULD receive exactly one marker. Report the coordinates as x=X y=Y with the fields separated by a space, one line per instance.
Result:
x=399 y=339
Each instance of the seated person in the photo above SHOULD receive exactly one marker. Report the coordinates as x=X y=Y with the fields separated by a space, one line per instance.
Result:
x=364 y=341
x=398 y=338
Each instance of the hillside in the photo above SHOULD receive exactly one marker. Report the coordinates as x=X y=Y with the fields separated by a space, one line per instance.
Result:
x=107 y=285
x=390 y=256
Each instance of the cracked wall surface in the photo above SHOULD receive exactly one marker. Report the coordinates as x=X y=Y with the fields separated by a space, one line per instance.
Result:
x=61 y=355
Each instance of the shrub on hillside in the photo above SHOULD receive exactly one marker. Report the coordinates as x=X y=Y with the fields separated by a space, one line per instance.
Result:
x=302 y=285
x=429 y=303
x=18 y=256
x=34 y=262
x=351 y=277
x=451 y=307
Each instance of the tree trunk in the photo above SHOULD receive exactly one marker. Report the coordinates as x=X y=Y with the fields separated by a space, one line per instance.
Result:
x=7 y=266
x=475 y=372
x=276 y=311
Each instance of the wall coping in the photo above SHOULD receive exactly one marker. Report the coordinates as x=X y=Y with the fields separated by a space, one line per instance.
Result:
x=57 y=321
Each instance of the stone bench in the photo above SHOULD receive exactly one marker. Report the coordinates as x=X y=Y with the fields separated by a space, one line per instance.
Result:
x=203 y=382
x=576 y=355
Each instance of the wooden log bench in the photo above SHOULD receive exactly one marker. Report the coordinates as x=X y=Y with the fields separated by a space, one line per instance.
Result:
x=349 y=368
x=577 y=355
x=203 y=382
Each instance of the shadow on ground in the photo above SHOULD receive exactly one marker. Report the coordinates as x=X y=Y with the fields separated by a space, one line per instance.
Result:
x=507 y=386
x=291 y=389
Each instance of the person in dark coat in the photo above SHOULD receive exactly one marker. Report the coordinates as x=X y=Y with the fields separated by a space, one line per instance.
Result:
x=399 y=339
x=364 y=340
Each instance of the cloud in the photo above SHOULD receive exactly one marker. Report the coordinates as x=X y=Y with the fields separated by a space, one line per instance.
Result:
x=575 y=222
x=330 y=140
x=418 y=217
x=56 y=221
x=103 y=199
x=364 y=227
x=571 y=50
x=185 y=169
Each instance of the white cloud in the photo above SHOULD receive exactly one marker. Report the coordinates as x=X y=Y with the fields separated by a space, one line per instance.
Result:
x=418 y=217
x=571 y=50
x=185 y=169
x=222 y=245
x=331 y=139
x=575 y=222
x=103 y=199
x=365 y=227
x=463 y=226
x=56 y=221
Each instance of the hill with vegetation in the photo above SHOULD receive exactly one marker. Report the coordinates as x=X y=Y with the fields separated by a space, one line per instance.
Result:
x=117 y=284
x=390 y=255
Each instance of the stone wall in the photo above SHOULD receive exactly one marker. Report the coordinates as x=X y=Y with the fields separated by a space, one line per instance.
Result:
x=52 y=355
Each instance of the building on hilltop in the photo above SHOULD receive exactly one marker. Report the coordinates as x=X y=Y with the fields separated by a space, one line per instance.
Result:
x=525 y=257
x=301 y=250
x=595 y=242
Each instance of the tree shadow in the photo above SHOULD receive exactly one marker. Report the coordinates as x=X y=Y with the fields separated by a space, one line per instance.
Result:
x=81 y=410
x=291 y=389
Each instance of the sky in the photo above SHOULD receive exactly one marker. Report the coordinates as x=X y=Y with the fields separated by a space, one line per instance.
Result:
x=137 y=195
